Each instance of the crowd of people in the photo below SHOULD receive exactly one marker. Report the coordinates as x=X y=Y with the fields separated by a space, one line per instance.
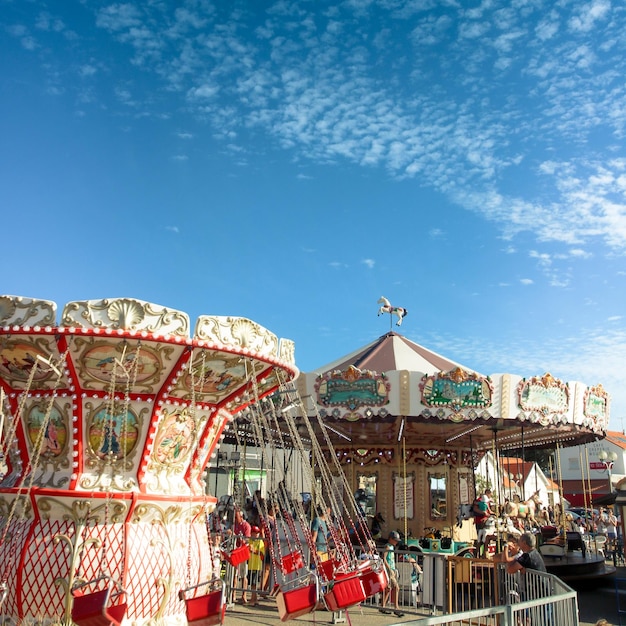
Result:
x=250 y=526
x=255 y=525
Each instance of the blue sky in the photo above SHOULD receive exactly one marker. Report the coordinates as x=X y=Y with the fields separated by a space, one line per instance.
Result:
x=291 y=162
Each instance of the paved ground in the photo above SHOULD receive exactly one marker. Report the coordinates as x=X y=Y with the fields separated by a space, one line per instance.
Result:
x=599 y=600
x=595 y=600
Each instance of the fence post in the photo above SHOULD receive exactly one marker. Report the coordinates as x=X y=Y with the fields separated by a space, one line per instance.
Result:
x=508 y=615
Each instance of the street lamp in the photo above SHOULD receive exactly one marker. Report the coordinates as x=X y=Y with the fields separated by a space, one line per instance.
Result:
x=607 y=459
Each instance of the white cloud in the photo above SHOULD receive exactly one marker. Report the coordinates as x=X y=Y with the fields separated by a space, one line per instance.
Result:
x=118 y=17
x=588 y=14
x=307 y=84
x=581 y=254
x=526 y=281
x=203 y=92
x=87 y=70
x=369 y=263
x=173 y=229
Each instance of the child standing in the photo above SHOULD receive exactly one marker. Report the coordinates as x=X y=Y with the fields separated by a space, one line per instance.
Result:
x=255 y=563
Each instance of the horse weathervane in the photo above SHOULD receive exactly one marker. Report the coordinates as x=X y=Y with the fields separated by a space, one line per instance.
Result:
x=386 y=307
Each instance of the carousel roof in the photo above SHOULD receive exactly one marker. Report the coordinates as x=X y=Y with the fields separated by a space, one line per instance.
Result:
x=390 y=352
x=114 y=357
x=394 y=392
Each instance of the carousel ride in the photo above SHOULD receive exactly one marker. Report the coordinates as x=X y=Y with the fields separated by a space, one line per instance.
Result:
x=108 y=421
x=410 y=425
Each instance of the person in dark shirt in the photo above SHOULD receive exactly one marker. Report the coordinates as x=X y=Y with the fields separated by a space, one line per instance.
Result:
x=529 y=559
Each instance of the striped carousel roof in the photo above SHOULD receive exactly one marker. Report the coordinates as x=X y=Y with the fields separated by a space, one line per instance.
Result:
x=393 y=352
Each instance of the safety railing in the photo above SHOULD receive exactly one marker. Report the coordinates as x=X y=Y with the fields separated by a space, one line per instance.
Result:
x=455 y=590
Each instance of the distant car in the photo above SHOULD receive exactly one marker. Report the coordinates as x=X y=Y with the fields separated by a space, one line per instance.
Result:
x=581 y=511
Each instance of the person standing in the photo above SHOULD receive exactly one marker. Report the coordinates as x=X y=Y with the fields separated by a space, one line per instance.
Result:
x=255 y=563
x=611 y=527
x=269 y=529
x=319 y=533
x=416 y=572
x=392 y=590
x=483 y=511
x=241 y=532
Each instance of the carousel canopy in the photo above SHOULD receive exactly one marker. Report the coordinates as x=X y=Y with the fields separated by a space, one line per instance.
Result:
x=394 y=391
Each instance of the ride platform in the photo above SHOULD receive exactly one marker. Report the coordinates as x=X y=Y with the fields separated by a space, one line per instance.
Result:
x=573 y=567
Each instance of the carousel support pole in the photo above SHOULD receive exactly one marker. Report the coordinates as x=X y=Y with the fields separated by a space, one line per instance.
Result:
x=496 y=456
x=217 y=470
x=406 y=521
x=560 y=475
x=552 y=476
x=582 y=475
x=589 y=491
x=473 y=468
x=523 y=488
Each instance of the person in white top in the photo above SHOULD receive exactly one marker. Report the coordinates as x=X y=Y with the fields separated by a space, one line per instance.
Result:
x=611 y=526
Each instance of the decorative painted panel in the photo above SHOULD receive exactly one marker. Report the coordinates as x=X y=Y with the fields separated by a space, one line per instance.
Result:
x=544 y=394
x=352 y=388
x=596 y=404
x=457 y=389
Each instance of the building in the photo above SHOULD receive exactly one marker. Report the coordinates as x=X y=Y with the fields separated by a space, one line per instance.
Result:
x=516 y=477
x=586 y=470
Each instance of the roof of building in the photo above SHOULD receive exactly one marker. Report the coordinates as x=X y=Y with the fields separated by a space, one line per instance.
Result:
x=617 y=438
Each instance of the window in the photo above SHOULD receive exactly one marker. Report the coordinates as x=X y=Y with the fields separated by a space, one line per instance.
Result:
x=366 y=493
x=438 y=502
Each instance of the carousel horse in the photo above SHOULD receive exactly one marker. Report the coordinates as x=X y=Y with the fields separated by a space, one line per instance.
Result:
x=386 y=307
x=488 y=532
x=524 y=512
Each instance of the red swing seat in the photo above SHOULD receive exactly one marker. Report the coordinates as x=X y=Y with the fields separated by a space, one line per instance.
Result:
x=292 y=561
x=327 y=569
x=374 y=577
x=208 y=609
x=299 y=598
x=344 y=591
x=237 y=555
x=98 y=608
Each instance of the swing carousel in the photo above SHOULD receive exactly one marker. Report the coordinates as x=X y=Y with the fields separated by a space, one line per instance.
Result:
x=108 y=420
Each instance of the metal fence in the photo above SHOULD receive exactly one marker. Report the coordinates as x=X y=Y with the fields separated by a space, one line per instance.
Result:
x=454 y=590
